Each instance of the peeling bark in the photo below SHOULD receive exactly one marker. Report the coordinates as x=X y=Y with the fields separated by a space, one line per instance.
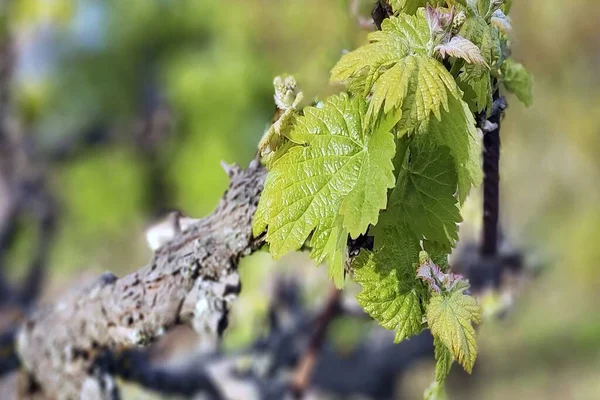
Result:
x=191 y=279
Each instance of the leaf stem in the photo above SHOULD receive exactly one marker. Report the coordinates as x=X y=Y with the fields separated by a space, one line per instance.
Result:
x=458 y=64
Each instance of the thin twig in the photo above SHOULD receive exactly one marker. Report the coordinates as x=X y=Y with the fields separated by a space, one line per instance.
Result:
x=301 y=378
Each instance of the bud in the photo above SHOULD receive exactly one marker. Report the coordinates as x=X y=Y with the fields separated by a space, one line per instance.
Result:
x=285 y=92
x=424 y=258
x=458 y=22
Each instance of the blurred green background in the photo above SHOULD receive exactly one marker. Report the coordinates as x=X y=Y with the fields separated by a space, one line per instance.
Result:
x=181 y=85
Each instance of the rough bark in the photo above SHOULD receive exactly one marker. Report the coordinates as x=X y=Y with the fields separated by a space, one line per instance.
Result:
x=192 y=279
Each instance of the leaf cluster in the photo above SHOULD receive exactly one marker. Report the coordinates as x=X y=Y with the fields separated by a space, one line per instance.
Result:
x=395 y=156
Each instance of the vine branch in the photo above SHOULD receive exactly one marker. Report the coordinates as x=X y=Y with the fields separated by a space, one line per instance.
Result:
x=491 y=176
x=306 y=366
x=191 y=279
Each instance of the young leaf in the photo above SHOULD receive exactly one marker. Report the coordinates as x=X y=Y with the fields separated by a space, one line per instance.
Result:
x=459 y=4
x=396 y=66
x=361 y=206
x=476 y=78
x=443 y=360
x=438 y=20
x=330 y=244
x=483 y=6
x=398 y=37
x=459 y=47
x=416 y=85
x=436 y=280
x=501 y=21
x=518 y=81
x=287 y=98
x=424 y=193
x=450 y=319
x=411 y=6
x=457 y=131
x=335 y=163
x=437 y=253
x=389 y=291
x=443 y=364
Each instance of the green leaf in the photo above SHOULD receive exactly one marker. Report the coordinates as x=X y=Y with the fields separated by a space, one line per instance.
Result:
x=518 y=81
x=501 y=21
x=320 y=184
x=424 y=193
x=287 y=98
x=476 y=78
x=443 y=360
x=483 y=6
x=456 y=130
x=330 y=244
x=438 y=254
x=390 y=294
x=459 y=4
x=397 y=68
x=450 y=319
x=507 y=6
x=416 y=85
x=409 y=6
x=385 y=48
x=361 y=206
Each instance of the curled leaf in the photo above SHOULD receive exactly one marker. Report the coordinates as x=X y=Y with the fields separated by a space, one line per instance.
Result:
x=437 y=19
x=460 y=47
x=437 y=280
x=287 y=99
x=501 y=21
x=518 y=81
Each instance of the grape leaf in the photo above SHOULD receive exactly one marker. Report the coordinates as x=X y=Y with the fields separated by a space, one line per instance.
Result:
x=518 y=81
x=385 y=48
x=390 y=293
x=450 y=319
x=443 y=364
x=396 y=66
x=330 y=244
x=501 y=21
x=437 y=280
x=459 y=47
x=424 y=193
x=335 y=162
x=411 y=6
x=476 y=78
x=444 y=360
x=418 y=86
x=437 y=253
x=483 y=6
x=458 y=4
x=361 y=207
x=457 y=131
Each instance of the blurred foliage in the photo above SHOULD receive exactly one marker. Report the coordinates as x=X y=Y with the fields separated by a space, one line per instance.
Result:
x=85 y=63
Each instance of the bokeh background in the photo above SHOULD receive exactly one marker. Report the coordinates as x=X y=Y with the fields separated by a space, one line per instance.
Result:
x=136 y=103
